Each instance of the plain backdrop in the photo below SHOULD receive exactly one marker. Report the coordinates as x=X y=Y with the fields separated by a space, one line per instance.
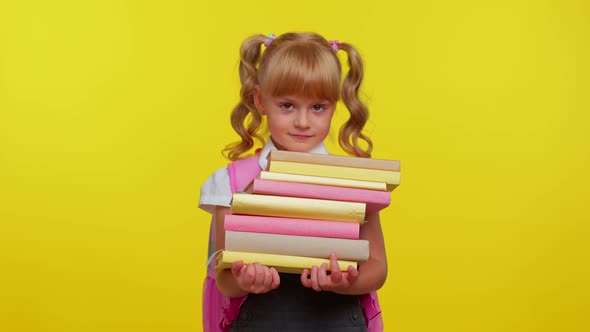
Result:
x=113 y=113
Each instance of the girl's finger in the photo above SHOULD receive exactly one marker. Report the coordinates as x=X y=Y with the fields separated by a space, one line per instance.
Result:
x=352 y=274
x=276 y=279
x=305 y=280
x=335 y=273
x=314 y=279
x=248 y=276
x=236 y=268
x=267 y=279
x=259 y=276
x=323 y=279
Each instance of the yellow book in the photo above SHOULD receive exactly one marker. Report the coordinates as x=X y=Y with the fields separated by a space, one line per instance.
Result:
x=297 y=207
x=371 y=185
x=282 y=263
x=390 y=178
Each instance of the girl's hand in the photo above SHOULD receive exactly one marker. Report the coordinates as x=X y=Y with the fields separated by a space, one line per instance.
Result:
x=336 y=281
x=255 y=278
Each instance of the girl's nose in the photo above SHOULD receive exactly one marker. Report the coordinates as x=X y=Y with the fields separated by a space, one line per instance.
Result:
x=302 y=119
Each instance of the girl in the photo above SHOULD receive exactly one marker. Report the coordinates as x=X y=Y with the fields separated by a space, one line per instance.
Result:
x=295 y=83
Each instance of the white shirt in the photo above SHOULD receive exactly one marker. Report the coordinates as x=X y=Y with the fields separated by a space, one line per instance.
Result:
x=216 y=190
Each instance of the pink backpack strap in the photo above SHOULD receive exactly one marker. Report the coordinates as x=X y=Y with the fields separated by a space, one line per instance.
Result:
x=242 y=172
x=373 y=318
x=219 y=311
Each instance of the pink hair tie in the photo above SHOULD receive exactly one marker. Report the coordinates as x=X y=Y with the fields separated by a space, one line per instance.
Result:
x=269 y=39
x=334 y=44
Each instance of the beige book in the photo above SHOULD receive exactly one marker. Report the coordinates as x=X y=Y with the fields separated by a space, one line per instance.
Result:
x=297 y=245
x=335 y=160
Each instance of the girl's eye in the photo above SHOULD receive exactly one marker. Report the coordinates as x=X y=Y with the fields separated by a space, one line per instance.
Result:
x=287 y=106
x=318 y=108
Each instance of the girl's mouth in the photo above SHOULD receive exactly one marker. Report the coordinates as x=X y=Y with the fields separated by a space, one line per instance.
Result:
x=299 y=136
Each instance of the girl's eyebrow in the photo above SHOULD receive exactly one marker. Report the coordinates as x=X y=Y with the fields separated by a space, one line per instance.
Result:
x=292 y=99
x=283 y=98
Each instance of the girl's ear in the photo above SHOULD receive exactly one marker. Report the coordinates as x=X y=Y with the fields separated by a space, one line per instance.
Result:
x=258 y=100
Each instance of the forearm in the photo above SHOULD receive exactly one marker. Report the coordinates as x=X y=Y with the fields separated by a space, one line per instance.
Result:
x=227 y=284
x=372 y=275
x=224 y=279
x=373 y=272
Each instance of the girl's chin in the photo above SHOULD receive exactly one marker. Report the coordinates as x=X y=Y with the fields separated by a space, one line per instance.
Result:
x=296 y=145
x=299 y=148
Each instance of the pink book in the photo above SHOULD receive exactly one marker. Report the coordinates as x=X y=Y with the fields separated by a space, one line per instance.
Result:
x=292 y=226
x=375 y=200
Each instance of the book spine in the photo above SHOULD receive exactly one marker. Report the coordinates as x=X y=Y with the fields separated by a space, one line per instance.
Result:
x=389 y=177
x=354 y=250
x=295 y=207
x=283 y=263
x=292 y=226
x=375 y=200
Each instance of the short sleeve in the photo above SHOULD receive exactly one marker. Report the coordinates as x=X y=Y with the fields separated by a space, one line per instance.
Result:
x=215 y=191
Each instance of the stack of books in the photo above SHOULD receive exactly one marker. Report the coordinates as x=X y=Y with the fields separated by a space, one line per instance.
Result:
x=305 y=206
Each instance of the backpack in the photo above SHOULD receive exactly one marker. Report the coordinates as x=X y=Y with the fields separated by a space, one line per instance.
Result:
x=220 y=311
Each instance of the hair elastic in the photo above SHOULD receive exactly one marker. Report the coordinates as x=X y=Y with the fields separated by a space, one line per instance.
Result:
x=212 y=257
x=334 y=44
x=269 y=39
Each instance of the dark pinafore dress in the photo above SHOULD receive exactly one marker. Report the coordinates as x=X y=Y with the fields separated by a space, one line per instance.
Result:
x=293 y=307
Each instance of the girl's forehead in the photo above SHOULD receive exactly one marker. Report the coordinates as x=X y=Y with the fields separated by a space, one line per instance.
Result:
x=301 y=97
x=296 y=95
x=317 y=77
x=315 y=90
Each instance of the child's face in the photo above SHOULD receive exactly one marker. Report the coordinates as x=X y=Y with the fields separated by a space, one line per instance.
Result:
x=296 y=123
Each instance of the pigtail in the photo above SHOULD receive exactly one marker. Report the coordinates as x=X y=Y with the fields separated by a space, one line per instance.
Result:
x=351 y=130
x=249 y=57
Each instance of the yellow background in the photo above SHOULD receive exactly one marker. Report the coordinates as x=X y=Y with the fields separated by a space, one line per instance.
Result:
x=112 y=114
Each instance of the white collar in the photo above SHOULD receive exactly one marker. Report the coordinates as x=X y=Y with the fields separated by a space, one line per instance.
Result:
x=263 y=162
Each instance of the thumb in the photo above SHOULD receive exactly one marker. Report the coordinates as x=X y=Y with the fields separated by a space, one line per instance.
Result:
x=352 y=274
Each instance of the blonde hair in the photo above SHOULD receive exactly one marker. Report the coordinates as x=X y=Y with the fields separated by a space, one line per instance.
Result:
x=298 y=63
